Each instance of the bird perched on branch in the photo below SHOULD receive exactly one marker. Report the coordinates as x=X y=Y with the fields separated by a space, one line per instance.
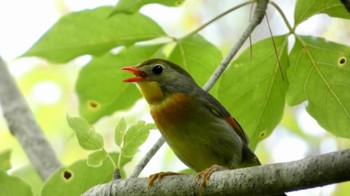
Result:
x=199 y=130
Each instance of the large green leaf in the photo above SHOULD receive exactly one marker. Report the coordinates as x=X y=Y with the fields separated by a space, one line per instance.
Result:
x=88 y=138
x=77 y=178
x=11 y=185
x=100 y=85
x=198 y=56
x=28 y=174
x=320 y=74
x=253 y=90
x=93 y=32
x=127 y=6
x=306 y=8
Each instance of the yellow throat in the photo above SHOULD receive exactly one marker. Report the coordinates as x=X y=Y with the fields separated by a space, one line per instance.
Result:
x=151 y=91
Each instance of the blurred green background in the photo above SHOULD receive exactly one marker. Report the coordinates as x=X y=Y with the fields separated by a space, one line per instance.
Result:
x=50 y=89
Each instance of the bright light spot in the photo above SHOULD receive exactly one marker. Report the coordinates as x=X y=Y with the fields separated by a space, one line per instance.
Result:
x=312 y=25
x=309 y=124
x=289 y=148
x=325 y=190
x=19 y=67
x=328 y=145
x=171 y=21
x=46 y=92
x=19 y=33
x=75 y=5
x=82 y=60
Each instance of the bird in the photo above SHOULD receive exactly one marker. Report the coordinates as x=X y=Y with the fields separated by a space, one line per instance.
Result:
x=196 y=126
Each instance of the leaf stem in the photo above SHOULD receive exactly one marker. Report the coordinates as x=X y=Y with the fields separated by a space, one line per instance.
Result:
x=111 y=159
x=216 y=18
x=279 y=10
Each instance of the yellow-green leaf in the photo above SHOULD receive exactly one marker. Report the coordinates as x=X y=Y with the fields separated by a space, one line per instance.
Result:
x=11 y=185
x=127 y=6
x=198 y=56
x=320 y=75
x=96 y=158
x=88 y=138
x=134 y=137
x=307 y=8
x=100 y=85
x=5 y=163
x=120 y=131
x=93 y=32
x=77 y=178
x=253 y=90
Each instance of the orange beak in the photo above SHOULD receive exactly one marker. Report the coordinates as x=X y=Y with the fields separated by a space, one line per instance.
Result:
x=140 y=75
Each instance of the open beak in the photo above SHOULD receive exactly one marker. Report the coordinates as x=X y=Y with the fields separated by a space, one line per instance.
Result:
x=140 y=75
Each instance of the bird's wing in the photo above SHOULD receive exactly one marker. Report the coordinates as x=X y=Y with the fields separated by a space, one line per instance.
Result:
x=219 y=110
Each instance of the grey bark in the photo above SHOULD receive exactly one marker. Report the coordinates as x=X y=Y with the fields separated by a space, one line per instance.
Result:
x=23 y=126
x=261 y=180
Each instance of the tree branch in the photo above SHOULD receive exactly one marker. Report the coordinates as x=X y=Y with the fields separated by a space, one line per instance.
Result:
x=22 y=125
x=261 y=180
x=142 y=164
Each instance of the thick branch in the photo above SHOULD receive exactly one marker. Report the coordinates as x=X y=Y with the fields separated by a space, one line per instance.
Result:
x=261 y=180
x=22 y=125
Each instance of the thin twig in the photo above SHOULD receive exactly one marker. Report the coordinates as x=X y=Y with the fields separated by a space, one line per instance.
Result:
x=275 y=47
x=217 y=17
x=142 y=164
x=279 y=10
x=23 y=126
x=259 y=14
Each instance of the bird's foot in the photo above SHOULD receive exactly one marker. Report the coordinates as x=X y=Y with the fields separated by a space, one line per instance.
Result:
x=205 y=175
x=159 y=176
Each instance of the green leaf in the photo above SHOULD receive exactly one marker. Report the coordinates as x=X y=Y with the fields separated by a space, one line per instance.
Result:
x=28 y=174
x=129 y=141
x=134 y=137
x=13 y=186
x=96 y=158
x=127 y=6
x=77 y=178
x=320 y=74
x=88 y=138
x=253 y=90
x=93 y=32
x=198 y=56
x=120 y=131
x=5 y=163
x=306 y=8
x=100 y=85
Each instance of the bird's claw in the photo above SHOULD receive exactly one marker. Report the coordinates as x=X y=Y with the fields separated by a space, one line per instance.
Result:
x=205 y=175
x=158 y=176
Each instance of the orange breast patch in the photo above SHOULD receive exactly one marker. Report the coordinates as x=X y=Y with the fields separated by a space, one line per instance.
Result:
x=171 y=111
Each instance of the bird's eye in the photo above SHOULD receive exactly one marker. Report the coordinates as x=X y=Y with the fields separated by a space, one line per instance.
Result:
x=157 y=69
